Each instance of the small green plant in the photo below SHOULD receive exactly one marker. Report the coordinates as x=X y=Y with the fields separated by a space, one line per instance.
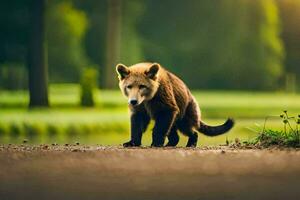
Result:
x=289 y=136
x=88 y=83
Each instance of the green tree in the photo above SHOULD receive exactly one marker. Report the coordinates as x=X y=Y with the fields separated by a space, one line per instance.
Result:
x=290 y=18
x=95 y=39
x=259 y=54
x=212 y=44
x=14 y=34
x=113 y=42
x=129 y=44
x=66 y=26
x=88 y=84
x=14 y=37
x=37 y=56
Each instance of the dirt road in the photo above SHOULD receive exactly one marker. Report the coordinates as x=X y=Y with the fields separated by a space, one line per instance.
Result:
x=78 y=172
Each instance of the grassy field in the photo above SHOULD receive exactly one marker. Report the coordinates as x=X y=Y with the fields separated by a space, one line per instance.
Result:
x=108 y=122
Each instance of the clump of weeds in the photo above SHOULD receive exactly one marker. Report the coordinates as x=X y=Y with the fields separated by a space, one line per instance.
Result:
x=288 y=136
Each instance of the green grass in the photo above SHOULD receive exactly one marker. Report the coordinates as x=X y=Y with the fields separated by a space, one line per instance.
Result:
x=277 y=138
x=214 y=104
x=287 y=136
x=108 y=122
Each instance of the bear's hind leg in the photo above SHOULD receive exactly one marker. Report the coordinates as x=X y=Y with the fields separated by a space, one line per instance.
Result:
x=193 y=139
x=173 y=137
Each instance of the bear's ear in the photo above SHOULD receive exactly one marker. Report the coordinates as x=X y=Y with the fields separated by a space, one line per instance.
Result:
x=153 y=71
x=122 y=71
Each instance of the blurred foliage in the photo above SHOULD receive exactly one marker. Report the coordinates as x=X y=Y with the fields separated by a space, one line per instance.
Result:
x=208 y=43
x=14 y=22
x=220 y=46
x=88 y=84
x=13 y=76
x=290 y=18
x=94 y=41
x=66 y=27
x=131 y=44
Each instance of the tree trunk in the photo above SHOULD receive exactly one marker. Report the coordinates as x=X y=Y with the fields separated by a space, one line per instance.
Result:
x=37 y=56
x=113 y=40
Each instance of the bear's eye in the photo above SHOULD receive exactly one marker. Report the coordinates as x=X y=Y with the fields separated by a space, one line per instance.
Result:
x=142 y=86
x=129 y=86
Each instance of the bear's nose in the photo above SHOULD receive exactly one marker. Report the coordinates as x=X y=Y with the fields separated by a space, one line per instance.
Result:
x=133 y=102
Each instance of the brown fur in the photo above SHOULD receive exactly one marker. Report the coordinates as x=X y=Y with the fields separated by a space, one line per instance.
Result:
x=162 y=96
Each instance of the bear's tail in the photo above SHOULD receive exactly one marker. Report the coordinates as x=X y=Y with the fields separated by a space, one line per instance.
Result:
x=216 y=130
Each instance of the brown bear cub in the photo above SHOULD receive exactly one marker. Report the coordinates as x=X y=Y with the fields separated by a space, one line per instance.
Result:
x=155 y=93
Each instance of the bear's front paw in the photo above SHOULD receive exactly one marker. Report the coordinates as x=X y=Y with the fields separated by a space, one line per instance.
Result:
x=157 y=144
x=130 y=144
